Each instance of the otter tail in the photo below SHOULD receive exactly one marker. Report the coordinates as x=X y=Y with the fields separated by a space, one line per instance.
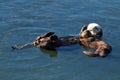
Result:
x=21 y=47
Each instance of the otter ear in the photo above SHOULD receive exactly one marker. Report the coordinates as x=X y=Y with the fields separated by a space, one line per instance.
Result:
x=48 y=34
x=83 y=28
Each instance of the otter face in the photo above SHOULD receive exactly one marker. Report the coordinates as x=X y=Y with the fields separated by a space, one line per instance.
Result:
x=85 y=33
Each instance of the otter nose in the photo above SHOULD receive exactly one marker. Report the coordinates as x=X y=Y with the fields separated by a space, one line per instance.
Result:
x=87 y=31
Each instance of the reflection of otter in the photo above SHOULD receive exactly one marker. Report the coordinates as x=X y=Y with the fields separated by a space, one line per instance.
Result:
x=87 y=40
x=51 y=53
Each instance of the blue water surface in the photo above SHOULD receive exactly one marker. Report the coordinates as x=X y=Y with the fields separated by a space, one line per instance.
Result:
x=21 y=21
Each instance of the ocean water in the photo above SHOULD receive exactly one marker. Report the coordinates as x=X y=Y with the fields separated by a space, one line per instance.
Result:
x=21 y=21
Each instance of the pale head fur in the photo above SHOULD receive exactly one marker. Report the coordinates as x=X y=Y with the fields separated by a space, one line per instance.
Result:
x=94 y=28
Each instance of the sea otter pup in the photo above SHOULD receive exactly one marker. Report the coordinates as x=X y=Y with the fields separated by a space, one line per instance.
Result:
x=95 y=30
x=50 y=41
x=100 y=47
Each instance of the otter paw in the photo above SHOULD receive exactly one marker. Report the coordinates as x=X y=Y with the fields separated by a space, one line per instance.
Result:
x=90 y=54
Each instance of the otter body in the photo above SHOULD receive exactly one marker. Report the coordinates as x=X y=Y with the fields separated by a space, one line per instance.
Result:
x=100 y=47
x=50 y=41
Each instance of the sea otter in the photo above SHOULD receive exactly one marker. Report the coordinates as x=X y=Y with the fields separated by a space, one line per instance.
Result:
x=100 y=47
x=50 y=41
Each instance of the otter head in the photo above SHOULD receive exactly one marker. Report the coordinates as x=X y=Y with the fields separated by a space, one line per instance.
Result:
x=94 y=29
